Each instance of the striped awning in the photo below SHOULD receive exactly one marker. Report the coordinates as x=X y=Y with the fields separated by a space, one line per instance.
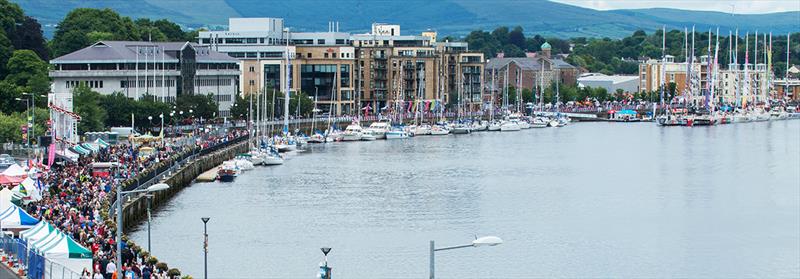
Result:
x=102 y=143
x=90 y=147
x=80 y=150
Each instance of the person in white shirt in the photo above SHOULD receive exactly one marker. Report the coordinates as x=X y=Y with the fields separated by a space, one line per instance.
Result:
x=111 y=268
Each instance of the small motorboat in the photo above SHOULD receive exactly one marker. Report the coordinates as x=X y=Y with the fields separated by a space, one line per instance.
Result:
x=509 y=126
x=539 y=122
x=316 y=138
x=494 y=126
x=396 y=134
x=368 y=137
x=353 y=132
x=438 y=130
x=228 y=172
x=461 y=129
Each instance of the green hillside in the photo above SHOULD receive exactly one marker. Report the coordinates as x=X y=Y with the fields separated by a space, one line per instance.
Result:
x=452 y=17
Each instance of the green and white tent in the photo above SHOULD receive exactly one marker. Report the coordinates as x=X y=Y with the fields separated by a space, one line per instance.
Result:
x=100 y=142
x=67 y=252
x=37 y=232
x=42 y=242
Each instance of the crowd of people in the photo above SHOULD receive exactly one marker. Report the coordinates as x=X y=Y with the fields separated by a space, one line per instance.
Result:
x=75 y=201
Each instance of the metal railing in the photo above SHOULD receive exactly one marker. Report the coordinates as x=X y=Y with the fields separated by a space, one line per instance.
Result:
x=35 y=265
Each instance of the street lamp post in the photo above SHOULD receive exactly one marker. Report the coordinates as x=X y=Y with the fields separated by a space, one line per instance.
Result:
x=478 y=242
x=326 y=270
x=27 y=110
x=120 y=193
x=149 y=217
x=205 y=246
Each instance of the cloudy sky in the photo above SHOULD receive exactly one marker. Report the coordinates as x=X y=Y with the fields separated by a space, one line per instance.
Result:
x=740 y=6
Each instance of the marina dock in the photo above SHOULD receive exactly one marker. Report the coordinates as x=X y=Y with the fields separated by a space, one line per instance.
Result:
x=208 y=176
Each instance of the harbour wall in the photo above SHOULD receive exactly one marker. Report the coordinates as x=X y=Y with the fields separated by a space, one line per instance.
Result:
x=135 y=209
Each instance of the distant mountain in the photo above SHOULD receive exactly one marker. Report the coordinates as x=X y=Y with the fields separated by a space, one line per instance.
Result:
x=449 y=17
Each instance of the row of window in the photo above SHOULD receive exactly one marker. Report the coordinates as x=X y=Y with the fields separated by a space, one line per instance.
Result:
x=327 y=55
x=89 y=83
x=141 y=83
x=223 y=98
x=212 y=82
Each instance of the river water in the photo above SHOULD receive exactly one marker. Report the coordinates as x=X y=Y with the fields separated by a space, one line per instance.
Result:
x=586 y=200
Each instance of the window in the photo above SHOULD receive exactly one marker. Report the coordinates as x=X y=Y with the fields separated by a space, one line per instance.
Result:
x=206 y=41
x=326 y=55
x=320 y=41
x=251 y=40
x=261 y=40
x=309 y=55
x=234 y=41
x=272 y=54
x=252 y=69
x=344 y=75
x=339 y=41
x=252 y=82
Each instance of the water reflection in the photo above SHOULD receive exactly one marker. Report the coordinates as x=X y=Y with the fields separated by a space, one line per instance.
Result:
x=588 y=200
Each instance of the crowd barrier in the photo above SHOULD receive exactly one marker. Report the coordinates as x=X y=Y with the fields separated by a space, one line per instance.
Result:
x=35 y=266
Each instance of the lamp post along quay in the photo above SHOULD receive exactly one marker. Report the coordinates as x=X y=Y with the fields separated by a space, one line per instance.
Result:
x=205 y=246
x=120 y=194
x=478 y=242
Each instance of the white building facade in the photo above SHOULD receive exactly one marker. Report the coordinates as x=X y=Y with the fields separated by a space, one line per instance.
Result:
x=163 y=70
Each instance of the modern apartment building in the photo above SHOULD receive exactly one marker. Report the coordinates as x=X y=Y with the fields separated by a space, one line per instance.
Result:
x=164 y=70
x=349 y=73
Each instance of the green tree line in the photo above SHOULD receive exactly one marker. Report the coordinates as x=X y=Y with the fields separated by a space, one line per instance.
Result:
x=620 y=56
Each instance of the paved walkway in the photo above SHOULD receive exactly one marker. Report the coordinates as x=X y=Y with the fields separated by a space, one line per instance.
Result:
x=6 y=273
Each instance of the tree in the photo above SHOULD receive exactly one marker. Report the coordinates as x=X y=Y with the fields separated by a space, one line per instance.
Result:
x=201 y=105
x=501 y=35
x=171 y=31
x=10 y=128
x=72 y=32
x=517 y=37
x=29 y=36
x=10 y=15
x=306 y=104
x=527 y=95
x=8 y=94
x=23 y=66
x=241 y=106
x=87 y=104
x=6 y=50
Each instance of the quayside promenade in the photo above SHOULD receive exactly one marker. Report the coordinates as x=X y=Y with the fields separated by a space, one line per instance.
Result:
x=75 y=202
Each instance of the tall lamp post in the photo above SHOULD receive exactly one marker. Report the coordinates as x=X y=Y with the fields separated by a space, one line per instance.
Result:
x=27 y=110
x=205 y=246
x=149 y=204
x=478 y=242
x=120 y=194
x=326 y=271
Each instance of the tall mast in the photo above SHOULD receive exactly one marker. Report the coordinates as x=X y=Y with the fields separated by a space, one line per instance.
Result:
x=746 y=87
x=716 y=73
x=687 y=60
x=786 y=84
x=663 y=63
x=709 y=66
x=738 y=81
x=691 y=71
x=287 y=88
x=491 y=97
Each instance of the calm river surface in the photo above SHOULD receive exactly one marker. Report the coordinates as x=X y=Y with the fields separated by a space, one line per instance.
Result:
x=586 y=200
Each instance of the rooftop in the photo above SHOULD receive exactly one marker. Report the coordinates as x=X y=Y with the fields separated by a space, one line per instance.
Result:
x=126 y=51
